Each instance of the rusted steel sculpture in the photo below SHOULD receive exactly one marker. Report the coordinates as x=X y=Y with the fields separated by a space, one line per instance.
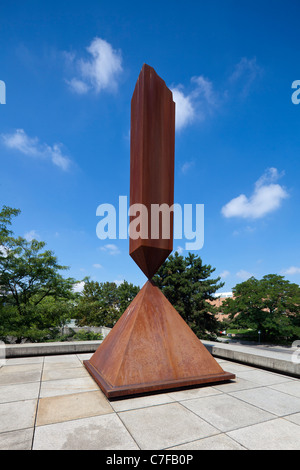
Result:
x=151 y=348
x=152 y=147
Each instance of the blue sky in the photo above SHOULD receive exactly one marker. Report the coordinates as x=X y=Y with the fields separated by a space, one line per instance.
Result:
x=70 y=69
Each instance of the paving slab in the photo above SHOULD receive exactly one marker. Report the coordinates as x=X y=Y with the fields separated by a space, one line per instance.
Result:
x=225 y=412
x=237 y=384
x=84 y=356
x=17 y=415
x=65 y=358
x=294 y=418
x=96 y=433
x=219 y=442
x=61 y=365
x=50 y=388
x=262 y=377
x=51 y=402
x=194 y=393
x=291 y=387
x=270 y=400
x=17 y=440
x=24 y=360
x=69 y=407
x=141 y=402
x=161 y=426
x=20 y=374
x=65 y=372
x=17 y=392
x=234 y=367
x=277 y=434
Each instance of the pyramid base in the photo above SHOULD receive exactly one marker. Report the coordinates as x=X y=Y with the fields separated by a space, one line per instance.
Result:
x=112 y=391
x=150 y=349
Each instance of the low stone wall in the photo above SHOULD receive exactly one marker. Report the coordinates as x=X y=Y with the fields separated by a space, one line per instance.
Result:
x=53 y=348
x=255 y=358
x=230 y=352
x=50 y=349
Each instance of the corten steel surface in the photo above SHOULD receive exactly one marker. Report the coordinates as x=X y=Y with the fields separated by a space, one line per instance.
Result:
x=151 y=348
x=152 y=143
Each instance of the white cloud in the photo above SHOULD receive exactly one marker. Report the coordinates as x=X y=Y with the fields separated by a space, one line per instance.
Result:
x=225 y=274
x=248 y=229
x=244 y=74
x=291 y=271
x=111 y=249
x=266 y=198
x=78 y=86
x=19 y=140
x=32 y=147
x=269 y=176
x=195 y=105
x=79 y=286
x=203 y=98
x=186 y=167
x=100 y=71
x=204 y=90
x=244 y=275
x=118 y=282
x=57 y=157
x=4 y=251
x=97 y=266
x=184 y=110
x=32 y=235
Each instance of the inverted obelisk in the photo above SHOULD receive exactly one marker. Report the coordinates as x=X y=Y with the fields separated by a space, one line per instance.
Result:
x=152 y=147
x=151 y=348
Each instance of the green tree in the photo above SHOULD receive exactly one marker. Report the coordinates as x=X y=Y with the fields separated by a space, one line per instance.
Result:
x=270 y=305
x=187 y=285
x=102 y=304
x=97 y=305
x=126 y=293
x=28 y=276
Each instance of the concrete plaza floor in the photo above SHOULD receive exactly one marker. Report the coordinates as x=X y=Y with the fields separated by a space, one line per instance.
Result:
x=52 y=403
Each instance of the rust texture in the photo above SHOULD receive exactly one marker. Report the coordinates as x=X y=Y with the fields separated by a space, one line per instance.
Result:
x=152 y=144
x=151 y=348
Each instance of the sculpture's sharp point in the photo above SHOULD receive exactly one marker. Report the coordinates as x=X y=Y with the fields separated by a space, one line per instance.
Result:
x=149 y=259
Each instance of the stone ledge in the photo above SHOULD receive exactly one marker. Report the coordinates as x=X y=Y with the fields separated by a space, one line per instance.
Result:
x=47 y=349
x=262 y=359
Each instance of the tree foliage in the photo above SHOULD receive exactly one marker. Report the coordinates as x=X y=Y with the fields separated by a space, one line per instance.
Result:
x=187 y=284
x=270 y=305
x=102 y=304
x=33 y=292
